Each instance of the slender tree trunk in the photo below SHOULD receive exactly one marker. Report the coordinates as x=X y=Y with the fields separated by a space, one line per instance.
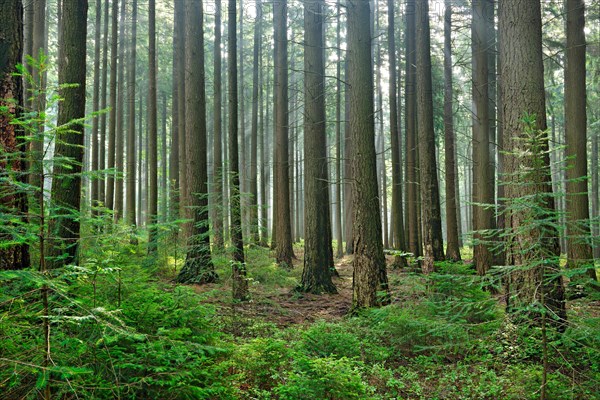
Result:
x=483 y=194
x=66 y=183
x=579 y=252
x=131 y=67
x=152 y=156
x=452 y=247
x=218 y=139
x=397 y=219
x=338 y=138
x=164 y=186
x=348 y=170
x=120 y=133
x=140 y=149
x=96 y=102
x=369 y=262
x=112 y=124
x=283 y=252
x=27 y=47
x=411 y=134
x=13 y=200
x=318 y=253
x=522 y=91
x=595 y=193
x=198 y=267
x=430 y=196
x=240 y=283
x=264 y=180
x=181 y=49
x=103 y=90
x=253 y=223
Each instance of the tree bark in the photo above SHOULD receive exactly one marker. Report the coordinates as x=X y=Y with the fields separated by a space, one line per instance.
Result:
x=253 y=200
x=338 y=139
x=483 y=195
x=101 y=181
x=452 y=246
x=430 y=195
x=13 y=201
x=66 y=183
x=318 y=253
x=217 y=224
x=579 y=249
x=283 y=251
x=121 y=103
x=198 y=267
x=522 y=91
x=152 y=156
x=240 y=283
x=96 y=104
x=130 y=208
x=369 y=262
x=112 y=121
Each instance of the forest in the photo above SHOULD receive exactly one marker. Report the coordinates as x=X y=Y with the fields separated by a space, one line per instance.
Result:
x=299 y=199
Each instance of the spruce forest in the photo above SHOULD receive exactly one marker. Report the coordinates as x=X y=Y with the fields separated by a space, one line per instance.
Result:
x=299 y=199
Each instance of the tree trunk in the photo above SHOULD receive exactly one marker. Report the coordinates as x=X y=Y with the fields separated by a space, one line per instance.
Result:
x=283 y=252
x=120 y=133
x=103 y=89
x=112 y=122
x=181 y=50
x=338 y=139
x=411 y=180
x=430 y=195
x=522 y=91
x=130 y=176
x=164 y=186
x=348 y=169
x=152 y=156
x=369 y=262
x=263 y=207
x=452 y=246
x=66 y=183
x=198 y=267
x=579 y=250
x=253 y=211
x=96 y=103
x=217 y=224
x=397 y=218
x=318 y=253
x=240 y=283
x=13 y=201
x=483 y=195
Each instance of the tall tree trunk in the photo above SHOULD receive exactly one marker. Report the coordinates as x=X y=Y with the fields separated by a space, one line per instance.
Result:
x=397 y=219
x=66 y=183
x=263 y=147
x=318 y=253
x=181 y=49
x=283 y=252
x=152 y=156
x=452 y=247
x=253 y=220
x=130 y=175
x=198 y=267
x=522 y=91
x=348 y=169
x=96 y=102
x=411 y=134
x=240 y=283
x=112 y=122
x=430 y=195
x=121 y=103
x=483 y=194
x=103 y=89
x=218 y=139
x=140 y=149
x=579 y=250
x=27 y=44
x=369 y=262
x=164 y=186
x=13 y=201
x=595 y=192
x=338 y=138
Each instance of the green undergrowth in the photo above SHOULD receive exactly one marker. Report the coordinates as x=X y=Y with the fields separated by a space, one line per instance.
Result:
x=121 y=329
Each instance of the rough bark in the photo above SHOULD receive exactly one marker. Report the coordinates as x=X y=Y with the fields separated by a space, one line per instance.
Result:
x=198 y=267
x=96 y=102
x=579 y=249
x=112 y=121
x=152 y=156
x=483 y=194
x=121 y=104
x=253 y=200
x=338 y=139
x=430 y=195
x=66 y=183
x=240 y=283
x=283 y=251
x=180 y=22
x=130 y=208
x=522 y=92
x=369 y=262
x=13 y=201
x=318 y=253
x=452 y=246
x=217 y=187
x=101 y=181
